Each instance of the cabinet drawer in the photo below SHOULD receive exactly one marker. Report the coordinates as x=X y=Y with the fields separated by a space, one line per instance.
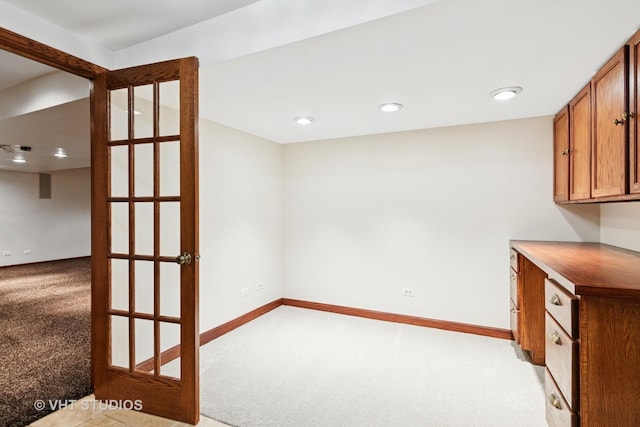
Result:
x=515 y=322
x=558 y=412
x=562 y=305
x=515 y=261
x=515 y=292
x=561 y=358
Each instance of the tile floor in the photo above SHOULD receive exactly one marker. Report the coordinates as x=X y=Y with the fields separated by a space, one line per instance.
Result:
x=77 y=415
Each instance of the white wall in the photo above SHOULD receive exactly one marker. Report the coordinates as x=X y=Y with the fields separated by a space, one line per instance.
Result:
x=55 y=228
x=620 y=224
x=240 y=223
x=431 y=210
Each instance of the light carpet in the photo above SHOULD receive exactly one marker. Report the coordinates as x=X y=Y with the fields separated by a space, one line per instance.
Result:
x=298 y=367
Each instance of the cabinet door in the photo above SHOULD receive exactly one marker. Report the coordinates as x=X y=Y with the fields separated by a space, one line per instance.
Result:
x=610 y=129
x=634 y=99
x=580 y=145
x=561 y=156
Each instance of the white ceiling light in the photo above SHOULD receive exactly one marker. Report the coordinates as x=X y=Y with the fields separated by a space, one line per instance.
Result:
x=505 y=93
x=303 y=120
x=19 y=158
x=60 y=153
x=389 y=107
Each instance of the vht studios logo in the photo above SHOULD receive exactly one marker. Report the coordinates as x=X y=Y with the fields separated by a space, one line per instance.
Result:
x=87 y=405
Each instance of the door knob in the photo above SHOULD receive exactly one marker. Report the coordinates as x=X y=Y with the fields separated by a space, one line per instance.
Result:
x=185 y=258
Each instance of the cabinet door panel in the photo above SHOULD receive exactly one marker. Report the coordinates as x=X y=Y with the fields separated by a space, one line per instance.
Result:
x=580 y=145
x=609 y=143
x=634 y=129
x=561 y=156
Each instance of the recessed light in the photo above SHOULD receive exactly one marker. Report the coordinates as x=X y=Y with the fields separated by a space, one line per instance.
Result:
x=60 y=153
x=389 y=107
x=505 y=93
x=19 y=158
x=303 y=120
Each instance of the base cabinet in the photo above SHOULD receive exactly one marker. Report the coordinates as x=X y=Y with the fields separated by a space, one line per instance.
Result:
x=558 y=412
x=591 y=330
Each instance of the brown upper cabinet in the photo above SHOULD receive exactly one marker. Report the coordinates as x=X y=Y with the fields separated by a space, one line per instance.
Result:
x=580 y=145
x=561 y=155
x=634 y=104
x=572 y=149
x=610 y=143
x=602 y=154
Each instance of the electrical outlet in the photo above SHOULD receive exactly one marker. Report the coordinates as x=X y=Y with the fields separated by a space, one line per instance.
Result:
x=6 y=253
x=260 y=286
x=245 y=292
x=408 y=292
x=27 y=251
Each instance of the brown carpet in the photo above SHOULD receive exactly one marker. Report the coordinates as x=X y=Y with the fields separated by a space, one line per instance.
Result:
x=45 y=337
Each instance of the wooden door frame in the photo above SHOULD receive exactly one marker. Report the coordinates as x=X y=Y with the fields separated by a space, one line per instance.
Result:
x=39 y=52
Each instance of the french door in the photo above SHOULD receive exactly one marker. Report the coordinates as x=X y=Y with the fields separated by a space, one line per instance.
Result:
x=145 y=335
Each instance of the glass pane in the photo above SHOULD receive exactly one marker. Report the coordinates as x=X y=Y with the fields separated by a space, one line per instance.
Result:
x=170 y=108
x=144 y=286
x=170 y=289
x=170 y=168
x=119 y=120
x=144 y=228
x=170 y=229
x=119 y=227
x=169 y=339
x=143 y=183
x=119 y=341
x=119 y=171
x=171 y=369
x=143 y=111
x=120 y=284
x=144 y=341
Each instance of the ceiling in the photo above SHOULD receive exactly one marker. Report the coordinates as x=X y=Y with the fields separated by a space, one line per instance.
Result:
x=439 y=60
x=65 y=126
x=15 y=69
x=121 y=23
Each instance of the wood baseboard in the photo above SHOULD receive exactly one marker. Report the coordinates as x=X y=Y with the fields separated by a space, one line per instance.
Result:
x=225 y=328
x=402 y=318
x=210 y=335
x=44 y=262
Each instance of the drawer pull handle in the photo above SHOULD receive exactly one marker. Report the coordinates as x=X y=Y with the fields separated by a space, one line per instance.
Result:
x=555 y=300
x=555 y=338
x=555 y=402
